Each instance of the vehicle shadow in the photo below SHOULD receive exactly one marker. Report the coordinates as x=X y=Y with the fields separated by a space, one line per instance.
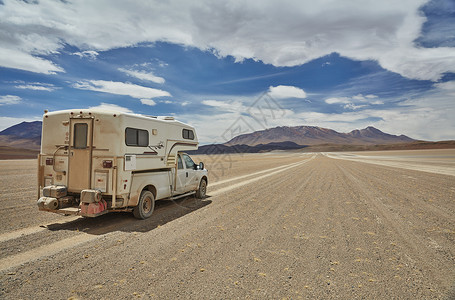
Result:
x=165 y=211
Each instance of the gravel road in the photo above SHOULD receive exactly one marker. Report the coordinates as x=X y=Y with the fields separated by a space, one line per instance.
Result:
x=286 y=226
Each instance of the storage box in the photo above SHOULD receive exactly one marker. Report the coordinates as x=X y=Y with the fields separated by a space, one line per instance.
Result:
x=55 y=191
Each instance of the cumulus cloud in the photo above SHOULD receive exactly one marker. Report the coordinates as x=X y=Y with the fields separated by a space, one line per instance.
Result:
x=283 y=34
x=143 y=75
x=121 y=88
x=9 y=99
x=285 y=91
x=110 y=107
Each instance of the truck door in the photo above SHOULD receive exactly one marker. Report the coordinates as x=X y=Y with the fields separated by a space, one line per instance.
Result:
x=190 y=173
x=181 y=176
x=80 y=154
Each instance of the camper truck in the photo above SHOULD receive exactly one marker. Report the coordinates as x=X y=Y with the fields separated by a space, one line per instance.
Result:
x=93 y=162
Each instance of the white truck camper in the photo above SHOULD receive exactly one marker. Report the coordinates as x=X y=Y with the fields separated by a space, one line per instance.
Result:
x=93 y=162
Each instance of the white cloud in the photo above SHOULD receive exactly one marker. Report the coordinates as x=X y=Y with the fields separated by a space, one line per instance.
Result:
x=90 y=54
x=185 y=103
x=232 y=106
x=110 y=107
x=285 y=91
x=143 y=75
x=335 y=100
x=448 y=85
x=149 y=102
x=283 y=34
x=349 y=102
x=9 y=99
x=37 y=86
x=352 y=106
x=121 y=88
x=19 y=59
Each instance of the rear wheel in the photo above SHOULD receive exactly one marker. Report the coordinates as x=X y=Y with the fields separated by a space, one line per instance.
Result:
x=202 y=190
x=145 y=206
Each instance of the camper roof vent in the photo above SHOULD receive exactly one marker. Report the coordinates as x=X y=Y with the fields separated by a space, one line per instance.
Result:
x=166 y=118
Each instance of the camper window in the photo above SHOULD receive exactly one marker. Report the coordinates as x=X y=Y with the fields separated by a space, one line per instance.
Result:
x=188 y=134
x=136 y=137
x=80 y=135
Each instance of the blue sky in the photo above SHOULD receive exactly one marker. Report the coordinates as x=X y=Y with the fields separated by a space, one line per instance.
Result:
x=342 y=65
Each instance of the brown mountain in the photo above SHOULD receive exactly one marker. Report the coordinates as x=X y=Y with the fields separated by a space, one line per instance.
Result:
x=312 y=135
x=26 y=135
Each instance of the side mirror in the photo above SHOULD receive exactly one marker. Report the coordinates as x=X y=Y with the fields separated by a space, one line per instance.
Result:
x=201 y=166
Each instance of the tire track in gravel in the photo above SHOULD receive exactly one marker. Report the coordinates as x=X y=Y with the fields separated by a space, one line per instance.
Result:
x=253 y=174
x=396 y=163
x=433 y=184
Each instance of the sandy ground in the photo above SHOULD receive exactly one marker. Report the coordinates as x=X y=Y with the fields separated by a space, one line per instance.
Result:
x=278 y=225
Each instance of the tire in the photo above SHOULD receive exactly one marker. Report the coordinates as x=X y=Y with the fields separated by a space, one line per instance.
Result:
x=202 y=190
x=145 y=206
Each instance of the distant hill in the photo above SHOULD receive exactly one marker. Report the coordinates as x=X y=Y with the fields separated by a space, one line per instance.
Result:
x=25 y=130
x=224 y=149
x=312 y=135
x=26 y=135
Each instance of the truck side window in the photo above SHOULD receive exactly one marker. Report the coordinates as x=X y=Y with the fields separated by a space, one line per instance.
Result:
x=188 y=134
x=80 y=135
x=136 y=137
x=188 y=161
x=179 y=163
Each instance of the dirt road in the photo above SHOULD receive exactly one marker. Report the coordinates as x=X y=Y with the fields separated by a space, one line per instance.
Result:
x=275 y=226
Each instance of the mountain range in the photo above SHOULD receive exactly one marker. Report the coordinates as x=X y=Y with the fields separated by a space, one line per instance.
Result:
x=312 y=135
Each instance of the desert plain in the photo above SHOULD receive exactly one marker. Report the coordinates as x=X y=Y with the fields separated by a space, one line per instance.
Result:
x=359 y=225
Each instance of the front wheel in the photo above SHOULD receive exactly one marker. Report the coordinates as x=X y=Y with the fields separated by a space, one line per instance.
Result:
x=145 y=206
x=202 y=190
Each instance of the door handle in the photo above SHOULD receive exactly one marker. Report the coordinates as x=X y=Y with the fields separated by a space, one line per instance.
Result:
x=186 y=174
